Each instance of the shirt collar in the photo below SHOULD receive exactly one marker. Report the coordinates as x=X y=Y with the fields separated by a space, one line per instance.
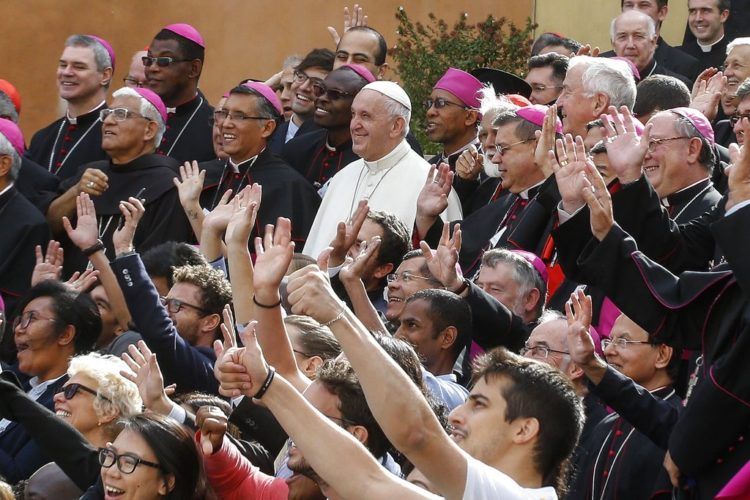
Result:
x=249 y=162
x=389 y=160
x=531 y=191
x=39 y=387
x=73 y=120
x=474 y=142
x=710 y=46
x=676 y=198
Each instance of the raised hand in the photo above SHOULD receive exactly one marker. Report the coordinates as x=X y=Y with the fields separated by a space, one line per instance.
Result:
x=228 y=370
x=355 y=18
x=739 y=174
x=218 y=218
x=469 y=164
x=707 y=95
x=245 y=208
x=586 y=50
x=545 y=141
x=354 y=268
x=705 y=75
x=132 y=212
x=569 y=171
x=86 y=232
x=273 y=255
x=49 y=265
x=599 y=202
x=433 y=198
x=625 y=149
x=346 y=234
x=310 y=293
x=189 y=185
x=443 y=263
x=81 y=282
x=580 y=344
x=146 y=374
x=212 y=423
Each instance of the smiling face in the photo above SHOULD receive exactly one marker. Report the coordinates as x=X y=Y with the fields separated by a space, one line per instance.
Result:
x=516 y=163
x=286 y=95
x=144 y=483
x=303 y=101
x=337 y=113
x=706 y=21
x=358 y=47
x=736 y=68
x=632 y=40
x=77 y=76
x=577 y=108
x=79 y=410
x=637 y=361
x=666 y=165
x=401 y=289
x=40 y=352
x=375 y=132
x=243 y=139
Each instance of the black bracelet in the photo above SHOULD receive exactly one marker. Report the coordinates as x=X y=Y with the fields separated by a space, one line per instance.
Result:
x=266 y=383
x=460 y=289
x=88 y=252
x=273 y=306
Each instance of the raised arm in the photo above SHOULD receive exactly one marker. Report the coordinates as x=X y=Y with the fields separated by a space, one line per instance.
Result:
x=93 y=181
x=189 y=186
x=433 y=198
x=351 y=277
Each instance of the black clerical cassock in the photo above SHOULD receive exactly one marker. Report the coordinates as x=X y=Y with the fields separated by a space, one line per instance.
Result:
x=189 y=131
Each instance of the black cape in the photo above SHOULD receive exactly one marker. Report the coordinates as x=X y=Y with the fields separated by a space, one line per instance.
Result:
x=37 y=184
x=310 y=155
x=62 y=147
x=285 y=192
x=714 y=58
x=189 y=132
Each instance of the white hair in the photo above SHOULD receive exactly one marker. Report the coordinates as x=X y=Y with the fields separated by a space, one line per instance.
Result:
x=148 y=110
x=737 y=42
x=395 y=110
x=6 y=148
x=611 y=77
x=120 y=393
x=650 y=24
x=491 y=103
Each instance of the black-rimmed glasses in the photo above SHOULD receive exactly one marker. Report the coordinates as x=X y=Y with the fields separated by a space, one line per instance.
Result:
x=126 y=462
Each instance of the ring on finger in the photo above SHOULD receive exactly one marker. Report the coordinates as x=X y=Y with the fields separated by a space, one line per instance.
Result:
x=90 y=184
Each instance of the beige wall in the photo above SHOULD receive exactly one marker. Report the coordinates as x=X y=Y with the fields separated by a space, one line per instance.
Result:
x=588 y=20
x=245 y=38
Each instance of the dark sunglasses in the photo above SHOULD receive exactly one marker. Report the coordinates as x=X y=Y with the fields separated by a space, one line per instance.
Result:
x=70 y=391
x=318 y=90
x=162 y=62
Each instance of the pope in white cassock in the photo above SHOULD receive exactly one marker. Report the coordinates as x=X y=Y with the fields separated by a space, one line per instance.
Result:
x=389 y=174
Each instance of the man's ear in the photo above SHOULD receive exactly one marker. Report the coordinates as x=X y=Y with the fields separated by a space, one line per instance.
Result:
x=196 y=66
x=383 y=270
x=268 y=128
x=525 y=430
x=381 y=71
x=360 y=433
x=664 y=355
x=106 y=77
x=6 y=163
x=210 y=322
x=310 y=366
x=448 y=337
x=601 y=103
x=531 y=300
x=67 y=336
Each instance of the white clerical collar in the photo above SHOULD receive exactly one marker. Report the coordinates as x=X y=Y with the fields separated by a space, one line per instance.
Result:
x=236 y=166
x=389 y=160
x=7 y=188
x=707 y=48
x=74 y=119
x=525 y=193
x=665 y=200
x=461 y=149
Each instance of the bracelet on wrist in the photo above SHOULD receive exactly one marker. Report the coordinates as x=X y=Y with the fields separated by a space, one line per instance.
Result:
x=266 y=383
x=338 y=317
x=264 y=306
x=88 y=252
x=462 y=288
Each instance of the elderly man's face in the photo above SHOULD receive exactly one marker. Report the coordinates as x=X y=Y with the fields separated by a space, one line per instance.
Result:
x=737 y=68
x=576 y=106
x=633 y=41
x=122 y=138
x=137 y=71
x=743 y=111
x=664 y=165
x=372 y=127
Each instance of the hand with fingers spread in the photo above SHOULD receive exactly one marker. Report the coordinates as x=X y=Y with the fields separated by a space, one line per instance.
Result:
x=545 y=142
x=310 y=293
x=354 y=268
x=347 y=233
x=586 y=50
x=570 y=171
x=704 y=76
x=580 y=343
x=739 y=174
x=132 y=212
x=146 y=374
x=49 y=265
x=433 y=198
x=707 y=95
x=86 y=232
x=469 y=164
x=245 y=210
x=355 y=18
x=625 y=149
x=212 y=424
x=81 y=282
x=273 y=255
x=189 y=187
x=599 y=202
x=443 y=263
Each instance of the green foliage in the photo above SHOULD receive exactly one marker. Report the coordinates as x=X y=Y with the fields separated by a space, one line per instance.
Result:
x=424 y=52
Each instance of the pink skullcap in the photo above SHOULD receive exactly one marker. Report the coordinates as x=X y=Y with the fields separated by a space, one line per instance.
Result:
x=518 y=100
x=361 y=71
x=107 y=46
x=535 y=114
x=186 y=31
x=633 y=69
x=225 y=95
x=8 y=89
x=699 y=121
x=14 y=135
x=154 y=99
x=597 y=340
x=2 y=304
x=462 y=85
x=535 y=261
x=266 y=92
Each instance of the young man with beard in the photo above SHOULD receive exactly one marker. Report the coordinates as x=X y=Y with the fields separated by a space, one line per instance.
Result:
x=320 y=154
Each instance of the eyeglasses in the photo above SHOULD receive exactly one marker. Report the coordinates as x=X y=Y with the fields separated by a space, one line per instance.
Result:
x=301 y=77
x=406 y=277
x=539 y=351
x=162 y=62
x=319 y=89
x=126 y=463
x=221 y=116
x=175 y=305
x=538 y=87
x=440 y=103
x=502 y=149
x=622 y=343
x=736 y=117
x=27 y=318
x=656 y=142
x=132 y=82
x=70 y=391
x=120 y=114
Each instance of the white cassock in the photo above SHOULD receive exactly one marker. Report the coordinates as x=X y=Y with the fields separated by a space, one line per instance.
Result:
x=390 y=184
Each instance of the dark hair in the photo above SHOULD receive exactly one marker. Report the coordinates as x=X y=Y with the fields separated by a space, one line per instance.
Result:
x=175 y=451
x=659 y=3
x=338 y=377
x=723 y=5
x=317 y=58
x=265 y=108
x=188 y=48
x=547 y=39
x=599 y=147
x=424 y=268
x=447 y=309
x=395 y=241
x=161 y=260
x=536 y=390
x=524 y=128
x=558 y=63
x=216 y=292
x=315 y=339
x=382 y=45
x=660 y=92
x=70 y=308
x=674 y=366
x=405 y=356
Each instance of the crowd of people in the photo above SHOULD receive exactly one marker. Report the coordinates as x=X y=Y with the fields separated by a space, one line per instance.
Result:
x=279 y=297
